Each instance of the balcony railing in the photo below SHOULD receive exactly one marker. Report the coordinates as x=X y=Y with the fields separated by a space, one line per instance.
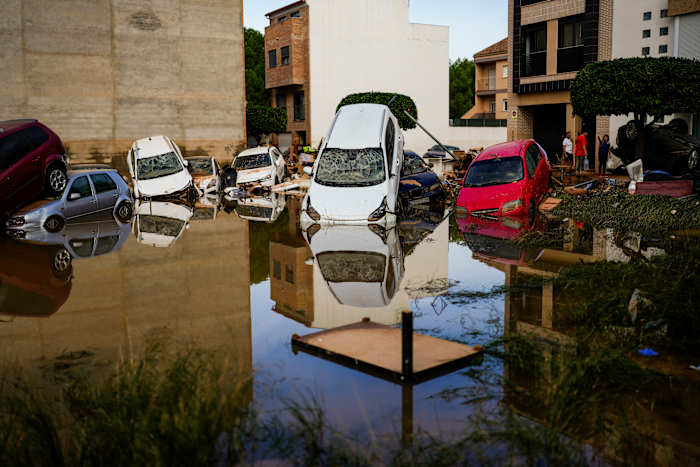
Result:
x=488 y=84
x=534 y=63
x=569 y=59
x=479 y=122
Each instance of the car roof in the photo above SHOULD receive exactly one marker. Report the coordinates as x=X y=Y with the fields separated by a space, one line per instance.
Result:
x=9 y=125
x=198 y=158
x=358 y=126
x=508 y=149
x=254 y=151
x=153 y=145
x=75 y=172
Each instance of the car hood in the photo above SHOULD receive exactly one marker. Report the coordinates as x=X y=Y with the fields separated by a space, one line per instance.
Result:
x=164 y=185
x=423 y=179
x=359 y=294
x=253 y=175
x=42 y=203
x=489 y=197
x=346 y=203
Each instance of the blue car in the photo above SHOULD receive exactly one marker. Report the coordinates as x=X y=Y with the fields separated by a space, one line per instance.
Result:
x=418 y=183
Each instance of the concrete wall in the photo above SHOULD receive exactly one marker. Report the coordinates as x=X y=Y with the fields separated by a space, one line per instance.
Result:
x=474 y=137
x=105 y=72
x=362 y=45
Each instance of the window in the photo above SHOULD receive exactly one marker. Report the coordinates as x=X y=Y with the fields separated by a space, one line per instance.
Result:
x=570 y=52
x=646 y=33
x=272 y=56
x=15 y=146
x=282 y=18
x=505 y=105
x=663 y=49
x=533 y=50
x=299 y=107
x=532 y=159
x=505 y=71
x=492 y=106
x=296 y=14
x=281 y=101
x=646 y=16
x=276 y=269
x=103 y=183
x=81 y=185
x=645 y=51
x=664 y=13
x=35 y=136
x=289 y=273
x=389 y=142
x=285 y=55
x=663 y=31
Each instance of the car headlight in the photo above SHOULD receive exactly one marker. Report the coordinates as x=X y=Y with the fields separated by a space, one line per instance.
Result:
x=16 y=221
x=378 y=213
x=312 y=213
x=512 y=205
x=18 y=234
x=512 y=223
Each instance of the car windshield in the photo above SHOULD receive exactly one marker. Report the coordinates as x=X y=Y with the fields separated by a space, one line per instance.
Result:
x=159 y=225
x=158 y=166
x=497 y=171
x=351 y=167
x=352 y=266
x=199 y=165
x=412 y=165
x=254 y=161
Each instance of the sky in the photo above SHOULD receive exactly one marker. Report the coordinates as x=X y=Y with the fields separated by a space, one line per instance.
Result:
x=474 y=24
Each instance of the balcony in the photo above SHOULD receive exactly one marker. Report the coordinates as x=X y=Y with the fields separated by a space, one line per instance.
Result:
x=534 y=64
x=570 y=59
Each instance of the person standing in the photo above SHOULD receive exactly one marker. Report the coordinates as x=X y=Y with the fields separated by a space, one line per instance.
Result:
x=567 y=149
x=581 y=151
x=603 y=152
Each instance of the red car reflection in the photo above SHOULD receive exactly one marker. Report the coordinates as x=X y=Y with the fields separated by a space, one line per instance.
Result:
x=506 y=179
x=35 y=281
x=494 y=239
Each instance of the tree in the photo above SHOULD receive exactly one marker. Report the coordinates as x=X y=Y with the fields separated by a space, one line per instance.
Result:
x=642 y=86
x=401 y=103
x=462 y=72
x=262 y=120
x=255 y=68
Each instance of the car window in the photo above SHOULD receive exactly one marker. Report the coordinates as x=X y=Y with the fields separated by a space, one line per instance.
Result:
x=412 y=165
x=389 y=141
x=496 y=171
x=103 y=183
x=532 y=159
x=199 y=165
x=254 y=161
x=35 y=137
x=81 y=185
x=12 y=149
x=82 y=247
x=158 y=166
x=106 y=244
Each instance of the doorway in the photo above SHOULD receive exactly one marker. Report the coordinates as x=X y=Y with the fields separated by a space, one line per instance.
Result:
x=549 y=128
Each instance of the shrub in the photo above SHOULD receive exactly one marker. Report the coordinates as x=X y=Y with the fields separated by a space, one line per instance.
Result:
x=401 y=103
x=261 y=120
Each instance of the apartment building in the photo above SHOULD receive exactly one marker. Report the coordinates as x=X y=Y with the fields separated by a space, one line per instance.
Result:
x=548 y=42
x=491 y=83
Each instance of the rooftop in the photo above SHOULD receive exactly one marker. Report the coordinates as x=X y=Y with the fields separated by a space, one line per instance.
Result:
x=499 y=48
x=284 y=8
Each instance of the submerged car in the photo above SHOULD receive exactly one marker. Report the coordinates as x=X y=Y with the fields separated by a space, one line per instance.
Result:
x=32 y=161
x=157 y=168
x=90 y=190
x=505 y=179
x=438 y=151
x=160 y=223
x=261 y=208
x=418 y=182
x=355 y=179
x=264 y=165
x=206 y=174
x=362 y=265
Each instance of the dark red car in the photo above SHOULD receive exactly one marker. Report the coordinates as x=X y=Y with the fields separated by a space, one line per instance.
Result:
x=506 y=179
x=32 y=161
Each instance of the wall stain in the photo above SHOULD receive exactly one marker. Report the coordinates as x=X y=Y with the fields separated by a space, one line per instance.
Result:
x=145 y=20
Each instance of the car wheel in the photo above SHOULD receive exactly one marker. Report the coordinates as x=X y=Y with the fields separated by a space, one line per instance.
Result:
x=693 y=160
x=61 y=264
x=124 y=211
x=56 y=180
x=531 y=212
x=54 y=224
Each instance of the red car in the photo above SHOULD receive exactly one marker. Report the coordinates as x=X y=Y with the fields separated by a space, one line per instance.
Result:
x=505 y=179
x=32 y=160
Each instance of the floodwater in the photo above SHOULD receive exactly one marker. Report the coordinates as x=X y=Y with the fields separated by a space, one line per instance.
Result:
x=242 y=279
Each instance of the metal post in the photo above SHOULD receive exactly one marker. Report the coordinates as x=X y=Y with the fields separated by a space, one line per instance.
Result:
x=406 y=415
x=407 y=344
x=430 y=134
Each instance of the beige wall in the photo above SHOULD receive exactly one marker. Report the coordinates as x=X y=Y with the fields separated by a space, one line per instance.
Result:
x=482 y=103
x=106 y=70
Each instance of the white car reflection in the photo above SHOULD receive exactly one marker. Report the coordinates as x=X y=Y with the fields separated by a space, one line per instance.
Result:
x=261 y=208
x=362 y=266
x=159 y=223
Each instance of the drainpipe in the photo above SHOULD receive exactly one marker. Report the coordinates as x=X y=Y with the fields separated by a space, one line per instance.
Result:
x=676 y=34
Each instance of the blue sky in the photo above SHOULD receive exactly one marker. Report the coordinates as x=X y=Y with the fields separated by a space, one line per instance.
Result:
x=474 y=24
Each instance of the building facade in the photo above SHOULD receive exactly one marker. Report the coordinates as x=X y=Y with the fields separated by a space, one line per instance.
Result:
x=106 y=72
x=491 y=83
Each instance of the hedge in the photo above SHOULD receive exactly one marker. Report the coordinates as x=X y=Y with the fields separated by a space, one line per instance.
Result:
x=262 y=120
x=401 y=103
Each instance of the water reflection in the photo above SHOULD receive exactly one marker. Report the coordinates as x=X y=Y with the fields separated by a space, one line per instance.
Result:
x=161 y=223
x=261 y=208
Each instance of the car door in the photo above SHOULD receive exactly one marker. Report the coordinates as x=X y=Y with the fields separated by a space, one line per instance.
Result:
x=80 y=199
x=20 y=169
x=106 y=191
x=540 y=181
x=392 y=173
x=531 y=166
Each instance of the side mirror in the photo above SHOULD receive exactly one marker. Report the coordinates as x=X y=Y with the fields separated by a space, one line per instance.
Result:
x=73 y=196
x=308 y=170
x=187 y=164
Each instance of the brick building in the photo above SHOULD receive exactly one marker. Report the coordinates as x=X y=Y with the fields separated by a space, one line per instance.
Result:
x=491 y=83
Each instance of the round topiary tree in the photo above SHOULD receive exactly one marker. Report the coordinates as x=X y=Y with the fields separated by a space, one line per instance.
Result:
x=401 y=103
x=262 y=120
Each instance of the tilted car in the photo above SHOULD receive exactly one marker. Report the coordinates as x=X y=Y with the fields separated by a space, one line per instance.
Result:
x=89 y=191
x=159 y=223
x=157 y=168
x=264 y=165
x=355 y=179
x=206 y=174
x=32 y=161
x=418 y=182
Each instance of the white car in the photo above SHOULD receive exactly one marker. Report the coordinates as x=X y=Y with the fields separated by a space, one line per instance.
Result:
x=264 y=165
x=261 y=208
x=206 y=174
x=159 y=223
x=157 y=168
x=362 y=265
x=355 y=179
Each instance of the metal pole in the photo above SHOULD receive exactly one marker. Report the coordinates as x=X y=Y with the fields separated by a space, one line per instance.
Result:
x=407 y=344
x=429 y=134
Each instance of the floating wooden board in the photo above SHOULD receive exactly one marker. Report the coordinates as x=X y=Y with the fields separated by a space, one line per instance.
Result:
x=376 y=349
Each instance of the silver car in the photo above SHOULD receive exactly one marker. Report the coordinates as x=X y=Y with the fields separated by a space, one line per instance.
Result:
x=89 y=190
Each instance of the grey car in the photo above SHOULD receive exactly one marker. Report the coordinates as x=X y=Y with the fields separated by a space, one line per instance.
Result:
x=89 y=190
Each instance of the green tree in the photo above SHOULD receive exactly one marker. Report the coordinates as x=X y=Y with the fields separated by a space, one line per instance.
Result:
x=263 y=120
x=462 y=72
x=255 y=68
x=397 y=106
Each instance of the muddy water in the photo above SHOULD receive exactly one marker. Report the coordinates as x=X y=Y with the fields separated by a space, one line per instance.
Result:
x=242 y=279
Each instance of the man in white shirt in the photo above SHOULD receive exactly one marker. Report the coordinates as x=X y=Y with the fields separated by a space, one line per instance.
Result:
x=567 y=147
